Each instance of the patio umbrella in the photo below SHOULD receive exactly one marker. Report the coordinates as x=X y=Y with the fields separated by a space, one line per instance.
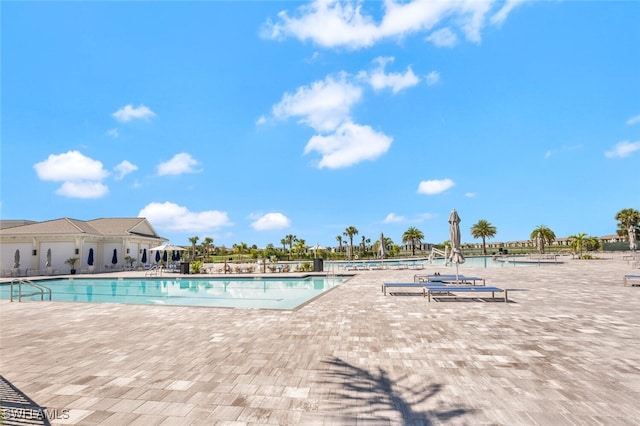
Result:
x=90 y=258
x=114 y=259
x=165 y=257
x=16 y=259
x=382 y=252
x=454 y=237
x=632 y=238
x=144 y=256
x=173 y=255
x=177 y=256
x=48 y=264
x=157 y=256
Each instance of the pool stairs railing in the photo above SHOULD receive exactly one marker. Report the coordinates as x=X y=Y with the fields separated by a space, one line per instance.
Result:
x=35 y=289
x=154 y=271
x=436 y=252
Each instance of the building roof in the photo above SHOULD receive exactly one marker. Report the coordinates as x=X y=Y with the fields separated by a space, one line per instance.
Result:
x=105 y=227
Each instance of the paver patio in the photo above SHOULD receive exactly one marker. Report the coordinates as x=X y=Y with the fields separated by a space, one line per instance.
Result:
x=566 y=350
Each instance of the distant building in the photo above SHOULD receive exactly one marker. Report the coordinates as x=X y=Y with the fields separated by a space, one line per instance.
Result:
x=67 y=238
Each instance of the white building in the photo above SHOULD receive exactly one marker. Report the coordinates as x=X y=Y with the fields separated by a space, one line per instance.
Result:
x=110 y=238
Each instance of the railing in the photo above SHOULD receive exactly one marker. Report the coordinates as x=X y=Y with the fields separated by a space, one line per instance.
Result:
x=435 y=251
x=154 y=271
x=39 y=289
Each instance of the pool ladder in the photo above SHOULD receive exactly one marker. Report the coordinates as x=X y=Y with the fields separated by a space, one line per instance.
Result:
x=36 y=289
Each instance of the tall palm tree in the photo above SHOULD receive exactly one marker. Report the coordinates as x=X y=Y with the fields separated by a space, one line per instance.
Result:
x=628 y=222
x=412 y=235
x=206 y=245
x=193 y=241
x=339 y=239
x=350 y=232
x=483 y=229
x=544 y=235
x=290 y=239
x=284 y=245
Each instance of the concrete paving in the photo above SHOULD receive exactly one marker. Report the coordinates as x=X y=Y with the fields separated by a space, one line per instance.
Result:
x=564 y=351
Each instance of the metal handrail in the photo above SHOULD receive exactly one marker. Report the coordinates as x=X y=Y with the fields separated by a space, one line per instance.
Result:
x=154 y=271
x=41 y=290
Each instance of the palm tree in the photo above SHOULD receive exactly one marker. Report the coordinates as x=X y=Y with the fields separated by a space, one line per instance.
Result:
x=339 y=239
x=193 y=241
x=206 y=245
x=628 y=222
x=413 y=235
x=483 y=229
x=290 y=239
x=241 y=249
x=350 y=232
x=284 y=245
x=544 y=235
x=578 y=242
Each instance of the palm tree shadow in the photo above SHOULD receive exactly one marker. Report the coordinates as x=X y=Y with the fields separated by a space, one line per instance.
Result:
x=372 y=395
x=16 y=408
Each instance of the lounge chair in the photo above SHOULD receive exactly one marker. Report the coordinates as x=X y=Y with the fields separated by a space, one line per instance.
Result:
x=449 y=278
x=451 y=292
x=632 y=280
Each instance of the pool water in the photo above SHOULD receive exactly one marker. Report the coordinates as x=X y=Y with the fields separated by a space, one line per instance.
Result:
x=256 y=293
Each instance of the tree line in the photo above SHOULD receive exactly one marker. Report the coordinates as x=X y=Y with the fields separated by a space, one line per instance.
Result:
x=293 y=247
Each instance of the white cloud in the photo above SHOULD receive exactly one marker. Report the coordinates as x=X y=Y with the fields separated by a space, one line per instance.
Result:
x=436 y=186
x=179 y=164
x=113 y=133
x=634 y=120
x=443 y=37
x=81 y=175
x=379 y=80
x=123 y=169
x=323 y=105
x=501 y=15
x=350 y=144
x=70 y=166
x=393 y=218
x=82 y=189
x=129 y=112
x=623 y=149
x=470 y=194
x=172 y=217
x=432 y=78
x=425 y=216
x=271 y=221
x=334 y=23
x=261 y=120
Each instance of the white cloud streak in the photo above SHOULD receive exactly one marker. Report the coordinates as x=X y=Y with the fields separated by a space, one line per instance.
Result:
x=178 y=164
x=334 y=23
x=393 y=218
x=271 y=221
x=123 y=169
x=129 y=112
x=323 y=105
x=634 y=120
x=436 y=186
x=623 y=149
x=443 y=37
x=379 y=80
x=173 y=217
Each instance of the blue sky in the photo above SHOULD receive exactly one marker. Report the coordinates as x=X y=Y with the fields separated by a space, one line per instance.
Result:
x=249 y=121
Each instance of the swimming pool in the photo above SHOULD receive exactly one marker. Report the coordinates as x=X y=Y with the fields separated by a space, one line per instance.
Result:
x=258 y=293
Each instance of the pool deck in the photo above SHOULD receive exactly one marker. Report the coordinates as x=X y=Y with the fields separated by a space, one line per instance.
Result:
x=564 y=351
